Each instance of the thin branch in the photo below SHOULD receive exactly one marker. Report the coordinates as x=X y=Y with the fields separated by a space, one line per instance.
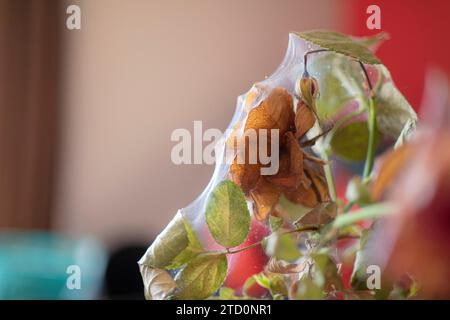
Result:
x=305 y=58
x=301 y=229
x=366 y=74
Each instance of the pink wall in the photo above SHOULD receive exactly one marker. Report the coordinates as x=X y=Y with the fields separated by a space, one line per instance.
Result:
x=140 y=69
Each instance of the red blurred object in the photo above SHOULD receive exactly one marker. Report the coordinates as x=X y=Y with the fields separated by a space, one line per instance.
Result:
x=249 y=262
x=423 y=221
x=418 y=41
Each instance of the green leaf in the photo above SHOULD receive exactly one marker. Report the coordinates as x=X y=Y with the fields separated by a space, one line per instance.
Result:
x=262 y=280
x=407 y=131
x=273 y=282
x=393 y=110
x=201 y=277
x=168 y=244
x=291 y=211
x=358 y=192
x=277 y=286
x=250 y=282
x=275 y=223
x=359 y=275
x=341 y=83
x=326 y=273
x=372 y=42
x=227 y=214
x=343 y=86
x=340 y=43
x=365 y=257
x=158 y=284
x=193 y=249
x=307 y=289
x=227 y=294
x=350 y=142
x=283 y=247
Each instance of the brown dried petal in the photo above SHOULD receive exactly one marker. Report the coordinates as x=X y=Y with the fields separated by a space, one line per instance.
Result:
x=290 y=172
x=245 y=175
x=283 y=179
x=265 y=197
x=319 y=183
x=278 y=108
x=304 y=119
x=313 y=194
x=302 y=195
x=275 y=112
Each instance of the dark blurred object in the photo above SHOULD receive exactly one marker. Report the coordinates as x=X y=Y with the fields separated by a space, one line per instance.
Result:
x=123 y=279
x=29 y=53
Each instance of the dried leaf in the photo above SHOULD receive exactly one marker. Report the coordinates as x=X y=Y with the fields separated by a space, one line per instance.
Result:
x=265 y=197
x=158 y=284
x=321 y=214
x=283 y=267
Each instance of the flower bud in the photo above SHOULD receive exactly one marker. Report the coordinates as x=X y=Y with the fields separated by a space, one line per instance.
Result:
x=308 y=89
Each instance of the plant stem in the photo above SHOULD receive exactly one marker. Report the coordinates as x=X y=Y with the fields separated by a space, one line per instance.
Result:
x=369 y=212
x=329 y=175
x=301 y=229
x=349 y=206
x=372 y=124
x=305 y=58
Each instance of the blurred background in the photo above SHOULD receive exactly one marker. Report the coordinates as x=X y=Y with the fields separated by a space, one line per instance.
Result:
x=86 y=117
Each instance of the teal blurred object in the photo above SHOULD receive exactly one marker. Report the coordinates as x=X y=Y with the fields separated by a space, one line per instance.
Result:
x=37 y=265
